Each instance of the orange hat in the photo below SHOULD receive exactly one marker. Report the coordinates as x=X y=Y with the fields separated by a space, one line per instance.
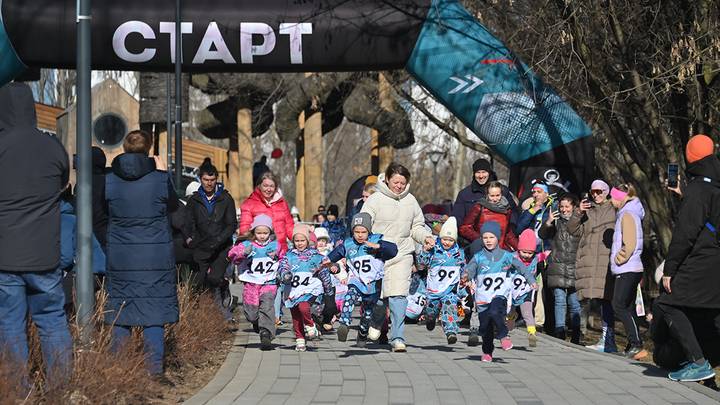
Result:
x=699 y=147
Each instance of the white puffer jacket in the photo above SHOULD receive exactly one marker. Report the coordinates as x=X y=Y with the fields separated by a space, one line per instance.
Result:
x=400 y=220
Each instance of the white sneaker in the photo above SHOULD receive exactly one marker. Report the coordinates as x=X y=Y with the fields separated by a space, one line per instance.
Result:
x=311 y=332
x=398 y=346
x=300 y=345
x=373 y=334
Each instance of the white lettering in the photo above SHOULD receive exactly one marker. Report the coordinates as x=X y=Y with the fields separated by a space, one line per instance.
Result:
x=247 y=49
x=169 y=28
x=296 y=31
x=205 y=52
x=121 y=34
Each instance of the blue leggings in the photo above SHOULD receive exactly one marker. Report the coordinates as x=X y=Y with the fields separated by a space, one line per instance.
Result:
x=492 y=320
x=354 y=297
x=449 y=311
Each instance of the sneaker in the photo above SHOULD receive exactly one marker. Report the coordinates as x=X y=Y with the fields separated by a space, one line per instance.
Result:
x=300 y=345
x=279 y=322
x=342 y=332
x=473 y=339
x=635 y=353
x=430 y=323
x=506 y=343
x=327 y=328
x=693 y=372
x=265 y=339
x=311 y=332
x=451 y=338
x=256 y=327
x=398 y=346
x=361 y=340
x=373 y=333
x=486 y=358
x=532 y=340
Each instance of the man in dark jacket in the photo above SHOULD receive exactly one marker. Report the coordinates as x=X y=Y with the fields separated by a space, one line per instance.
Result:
x=483 y=174
x=140 y=260
x=35 y=170
x=691 y=276
x=210 y=224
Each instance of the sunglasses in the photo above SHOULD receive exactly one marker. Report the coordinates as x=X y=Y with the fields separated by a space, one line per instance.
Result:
x=596 y=191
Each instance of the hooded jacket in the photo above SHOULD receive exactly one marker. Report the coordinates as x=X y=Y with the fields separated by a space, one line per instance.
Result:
x=485 y=211
x=140 y=259
x=210 y=231
x=400 y=220
x=561 y=268
x=627 y=247
x=35 y=169
x=693 y=259
x=277 y=209
x=472 y=194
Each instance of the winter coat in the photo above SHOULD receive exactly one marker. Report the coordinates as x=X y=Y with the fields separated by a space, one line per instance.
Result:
x=277 y=209
x=140 y=259
x=693 y=259
x=485 y=211
x=68 y=242
x=472 y=194
x=99 y=208
x=627 y=246
x=561 y=267
x=534 y=221
x=364 y=265
x=34 y=166
x=400 y=220
x=210 y=233
x=592 y=267
x=336 y=229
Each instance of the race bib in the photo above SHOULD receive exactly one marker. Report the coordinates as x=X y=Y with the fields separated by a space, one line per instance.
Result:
x=440 y=278
x=520 y=287
x=340 y=288
x=366 y=268
x=490 y=286
x=261 y=271
x=304 y=283
x=416 y=305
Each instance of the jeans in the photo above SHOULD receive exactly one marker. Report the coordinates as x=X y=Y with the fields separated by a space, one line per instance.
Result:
x=623 y=303
x=492 y=322
x=41 y=295
x=154 y=344
x=398 y=306
x=279 y=301
x=564 y=298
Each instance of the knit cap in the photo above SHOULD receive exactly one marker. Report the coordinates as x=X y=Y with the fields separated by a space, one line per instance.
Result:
x=303 y=230
x=362 y=219
x=333 y=210
x=527 y=241
x=261 y=220
x=482 y=164
x=321 y=233
x=192 y=188
x=449 y=229
x=699 y=147
x=491 y=227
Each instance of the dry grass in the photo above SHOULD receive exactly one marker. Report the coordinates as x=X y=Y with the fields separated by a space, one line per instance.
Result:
x=100 y=376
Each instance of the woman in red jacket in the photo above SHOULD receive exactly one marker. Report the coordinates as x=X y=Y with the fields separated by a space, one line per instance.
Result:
x=267 y=199
x=494 y=207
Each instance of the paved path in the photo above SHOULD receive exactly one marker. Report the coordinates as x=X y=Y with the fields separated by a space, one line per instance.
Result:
x=431 y=372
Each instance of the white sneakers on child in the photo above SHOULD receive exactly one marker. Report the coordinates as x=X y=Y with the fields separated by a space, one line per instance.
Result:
x=311 y=332
x=300 y=345
x=373 y=334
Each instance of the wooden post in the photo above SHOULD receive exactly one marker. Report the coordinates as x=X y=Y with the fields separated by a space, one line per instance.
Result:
x=240 y=159
x=386 y=153
x=374 y=152
x=312 y=136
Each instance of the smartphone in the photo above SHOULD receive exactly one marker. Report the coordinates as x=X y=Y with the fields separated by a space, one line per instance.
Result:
x=672 y=179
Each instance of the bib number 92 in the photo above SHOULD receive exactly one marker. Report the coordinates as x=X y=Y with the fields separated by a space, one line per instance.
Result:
x=493 y=283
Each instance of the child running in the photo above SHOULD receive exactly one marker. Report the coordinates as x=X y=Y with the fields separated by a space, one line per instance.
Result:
x=522 y=292
x=490 y=272
x=366 y=254
x=259 y=278
x=305 y=284
x=445 y=262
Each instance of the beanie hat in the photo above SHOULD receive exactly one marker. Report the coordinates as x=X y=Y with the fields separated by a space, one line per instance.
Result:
x=699 y=147
x=482 y=164
x=491 y=227
x=261 y=220
x=449 y=229
x=332 y=210
x=527 y=240
x=294 y=211
x=321 y=233
x=303 y=230
x=192 y=188
x=362 y=219
x=541 y=186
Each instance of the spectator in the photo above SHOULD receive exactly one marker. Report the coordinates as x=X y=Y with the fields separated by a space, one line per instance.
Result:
x=294 y=212
x=335 y=226
x=626 y=265
x=259 y=168
x=477 y=190
x=210 y=224
x=560 y=275
x=267 y=199
x=690 y=277
x=100 y=215
x=492 y=207
x=593 y=223
x=397 y=216
x=140 y=260
x=368 y=190
x=30 y=273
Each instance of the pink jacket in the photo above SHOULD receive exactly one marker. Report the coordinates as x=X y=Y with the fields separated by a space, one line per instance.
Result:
x=277 y=209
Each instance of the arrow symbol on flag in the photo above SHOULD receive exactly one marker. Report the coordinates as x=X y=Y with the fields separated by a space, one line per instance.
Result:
x=468 y=85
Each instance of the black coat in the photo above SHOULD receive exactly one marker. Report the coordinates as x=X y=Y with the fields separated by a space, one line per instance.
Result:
x=562 y=264
x=693 y=259
x=210 y=233
x=140 y=259
x=34 y=167
x=475 y=192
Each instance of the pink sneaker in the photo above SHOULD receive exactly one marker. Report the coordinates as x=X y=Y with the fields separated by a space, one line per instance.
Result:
x=506 y=343
x=486 y=358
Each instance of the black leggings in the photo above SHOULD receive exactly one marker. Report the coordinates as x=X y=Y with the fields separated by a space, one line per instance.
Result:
x=623 y=303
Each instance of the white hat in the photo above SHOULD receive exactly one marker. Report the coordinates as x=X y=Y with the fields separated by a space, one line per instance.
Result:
x=192 y=188
x=321 y=232
x=449 y=229
x=294 y=211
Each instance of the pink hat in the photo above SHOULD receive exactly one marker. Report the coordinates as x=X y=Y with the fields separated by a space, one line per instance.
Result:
x=261 y=220
x=527 y=240
x=303 y=230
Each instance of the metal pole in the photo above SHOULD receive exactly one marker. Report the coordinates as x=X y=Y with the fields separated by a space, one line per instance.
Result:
x=84 y=276
x=168 y=129
x=435 y=182
x=178 y=97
